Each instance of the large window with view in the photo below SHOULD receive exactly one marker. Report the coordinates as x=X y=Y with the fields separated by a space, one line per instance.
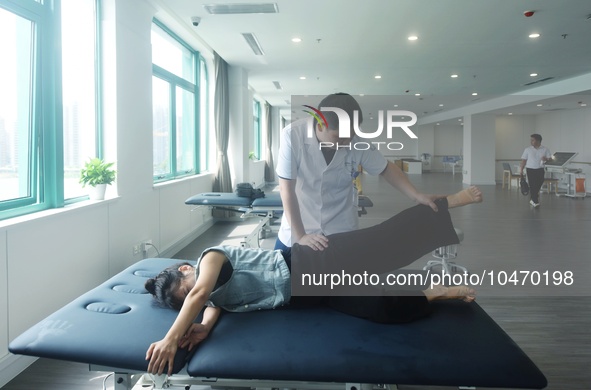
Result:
x=18 y=184
x=47 y=102
x=79 y=90
x=176 y=105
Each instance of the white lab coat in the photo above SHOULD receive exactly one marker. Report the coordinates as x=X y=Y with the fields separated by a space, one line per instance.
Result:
x=326 y=195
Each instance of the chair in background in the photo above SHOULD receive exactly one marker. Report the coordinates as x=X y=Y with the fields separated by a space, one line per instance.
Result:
x=444 y=255
x=452 y=162
x=548 y=183
x=508 y=176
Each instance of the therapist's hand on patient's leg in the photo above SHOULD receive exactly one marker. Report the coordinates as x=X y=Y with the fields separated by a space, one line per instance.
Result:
x=161 y=354
x=428 y=200
x=318 y=242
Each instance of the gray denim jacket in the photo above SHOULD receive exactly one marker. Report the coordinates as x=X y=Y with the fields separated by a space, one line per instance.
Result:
x=260 y=280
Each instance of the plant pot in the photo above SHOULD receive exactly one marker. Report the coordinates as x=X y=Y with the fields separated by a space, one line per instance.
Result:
x=97 y=192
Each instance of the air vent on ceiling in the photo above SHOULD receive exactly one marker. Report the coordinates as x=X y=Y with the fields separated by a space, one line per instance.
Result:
x=277 y=85
x=252 y=41
x=246 y=8
x=539 y=81
x=554 y=109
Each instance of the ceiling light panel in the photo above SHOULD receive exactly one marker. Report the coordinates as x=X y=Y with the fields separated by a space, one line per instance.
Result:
x=254 y=44
x=246 y=8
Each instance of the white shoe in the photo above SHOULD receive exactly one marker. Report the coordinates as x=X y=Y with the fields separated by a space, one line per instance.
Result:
x=531 y=202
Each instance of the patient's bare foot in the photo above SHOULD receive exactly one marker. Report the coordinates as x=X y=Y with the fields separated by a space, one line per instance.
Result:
x=439 y=291
x=466 y=196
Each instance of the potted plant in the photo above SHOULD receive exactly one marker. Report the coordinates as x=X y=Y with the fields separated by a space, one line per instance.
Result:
x=252 y=156
x=97 y=174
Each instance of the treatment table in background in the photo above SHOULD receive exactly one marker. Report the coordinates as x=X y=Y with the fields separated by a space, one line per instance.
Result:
x=111 y=327
x=267 y=209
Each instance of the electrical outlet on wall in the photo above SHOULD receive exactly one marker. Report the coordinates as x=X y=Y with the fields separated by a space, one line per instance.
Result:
x=145 y=246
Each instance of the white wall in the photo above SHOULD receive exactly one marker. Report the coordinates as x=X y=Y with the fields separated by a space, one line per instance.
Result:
x=257 y=173
x=447 y=141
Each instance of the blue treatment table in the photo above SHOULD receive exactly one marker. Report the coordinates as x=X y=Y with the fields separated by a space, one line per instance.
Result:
x=270 y=202
x=267 y=209
x=111 y=327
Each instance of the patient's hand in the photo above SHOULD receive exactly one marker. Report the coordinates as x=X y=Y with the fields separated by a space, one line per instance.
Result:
x=196 y=334
x=161 y=354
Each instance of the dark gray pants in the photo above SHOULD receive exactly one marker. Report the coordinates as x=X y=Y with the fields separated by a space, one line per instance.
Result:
x=535 y=179
x=382 y=248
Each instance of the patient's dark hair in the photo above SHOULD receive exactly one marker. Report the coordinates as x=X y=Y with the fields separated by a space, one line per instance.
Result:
x=537 y=137
x=162 y=287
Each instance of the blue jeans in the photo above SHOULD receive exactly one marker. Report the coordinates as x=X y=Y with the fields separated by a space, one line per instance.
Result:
x=285 y=250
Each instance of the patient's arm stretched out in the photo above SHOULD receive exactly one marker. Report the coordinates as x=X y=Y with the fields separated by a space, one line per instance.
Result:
x=177 y=287
x=192 y=295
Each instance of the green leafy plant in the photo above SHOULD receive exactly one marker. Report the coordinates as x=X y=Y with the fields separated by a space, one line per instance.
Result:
x=252 y=156
x=96 y=171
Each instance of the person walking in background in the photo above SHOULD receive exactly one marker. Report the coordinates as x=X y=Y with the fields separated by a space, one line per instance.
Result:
x=533 y=159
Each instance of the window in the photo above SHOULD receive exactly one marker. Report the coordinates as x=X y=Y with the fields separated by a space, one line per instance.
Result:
x=256 y=114
x=40 y=144
x=18 y=153
x=206 y=133
x=176 y=105
x=79 y=90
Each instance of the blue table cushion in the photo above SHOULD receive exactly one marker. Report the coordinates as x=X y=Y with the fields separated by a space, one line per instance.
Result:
x=111 y=325
x=219 y=199
x=458 y=345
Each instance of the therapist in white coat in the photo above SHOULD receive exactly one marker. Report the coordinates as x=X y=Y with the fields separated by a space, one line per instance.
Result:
x=316 y=178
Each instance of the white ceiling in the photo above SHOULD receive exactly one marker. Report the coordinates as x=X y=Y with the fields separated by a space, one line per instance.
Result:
x=345 y=43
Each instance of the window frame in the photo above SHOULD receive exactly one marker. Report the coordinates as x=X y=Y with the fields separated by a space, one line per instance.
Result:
x=44 y=118
x=256 y=113
x=46 y=133
x=98 y=133
x=204 y=106
x=175 y=81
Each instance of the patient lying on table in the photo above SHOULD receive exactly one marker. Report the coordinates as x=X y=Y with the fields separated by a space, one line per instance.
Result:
x=245 y=279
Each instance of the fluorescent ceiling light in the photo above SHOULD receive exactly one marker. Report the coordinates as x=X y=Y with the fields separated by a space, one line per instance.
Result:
x=534 y=35
x=413 y=38
x=245 y=8
x=254 y=44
